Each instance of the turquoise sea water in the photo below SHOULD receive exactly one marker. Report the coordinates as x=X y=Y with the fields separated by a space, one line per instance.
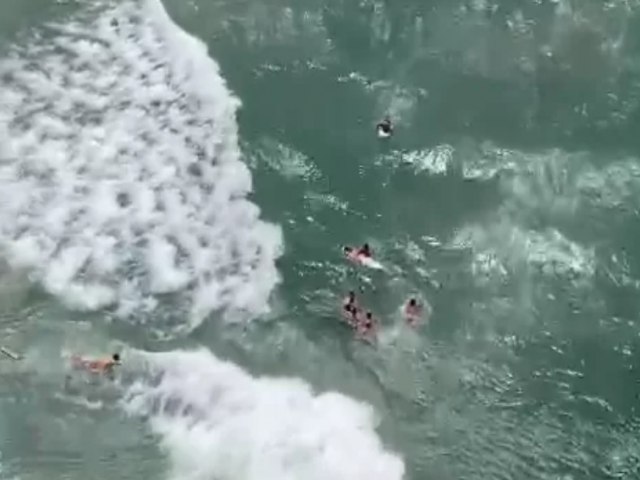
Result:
x=507 y=200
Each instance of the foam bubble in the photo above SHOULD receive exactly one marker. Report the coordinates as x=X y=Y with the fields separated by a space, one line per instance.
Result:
x=216 y=421
x=120 y=172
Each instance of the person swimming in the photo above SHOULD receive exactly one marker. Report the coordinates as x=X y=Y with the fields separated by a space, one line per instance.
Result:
x=365 y=251
x=349 y=300
x=352 y=315
x=98 y=365
x=351 y=310
x=384 y=128
x=366 y=327
x=413 y=311
x=412 y=307
x=353 y=253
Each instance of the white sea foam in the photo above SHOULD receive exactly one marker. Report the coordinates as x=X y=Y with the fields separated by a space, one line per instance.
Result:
x=556 y=182
x=616 y=186
x=501 y=247
x=120 y=172
x=217 y=421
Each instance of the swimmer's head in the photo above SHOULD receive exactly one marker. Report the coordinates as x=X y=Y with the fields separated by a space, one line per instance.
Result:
x=352 y=295
x=116 y=357
x=412 y=302
x=346 y=249
x=369 y=315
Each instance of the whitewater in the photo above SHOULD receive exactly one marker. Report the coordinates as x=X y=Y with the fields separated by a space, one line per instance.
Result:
x=121 y=173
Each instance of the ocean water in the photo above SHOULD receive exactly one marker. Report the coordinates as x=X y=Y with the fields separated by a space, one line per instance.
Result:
x=177 y=180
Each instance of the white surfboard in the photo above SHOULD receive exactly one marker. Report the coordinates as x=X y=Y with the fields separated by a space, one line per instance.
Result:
x=371 y=263
x=382 y=133
x=10 y=353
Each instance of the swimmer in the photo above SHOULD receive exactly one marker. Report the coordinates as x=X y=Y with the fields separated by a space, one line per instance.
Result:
x=99 y=365
x=412 y=311
x=352 y=254
x=367 y=326
x=356 y=255
x=350 y=307
x=349 y=300
x=384 y=128
x=349 y=251
x=351 y=315
x=365 y=251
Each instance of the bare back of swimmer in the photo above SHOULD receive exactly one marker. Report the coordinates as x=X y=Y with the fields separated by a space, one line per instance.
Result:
x=357 y=254
x=367 y=326
x=96 y=365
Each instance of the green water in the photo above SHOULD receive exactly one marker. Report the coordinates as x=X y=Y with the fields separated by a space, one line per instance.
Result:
x=519 y=231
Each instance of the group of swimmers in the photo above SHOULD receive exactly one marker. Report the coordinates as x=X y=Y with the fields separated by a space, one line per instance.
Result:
x=362 y=320
x=357 y=317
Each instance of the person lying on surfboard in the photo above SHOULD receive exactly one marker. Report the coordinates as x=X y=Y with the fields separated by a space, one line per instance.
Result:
x=412 y=311
x=365 y=251
x=357 y=255
x=95 y=365
x=384 y=128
